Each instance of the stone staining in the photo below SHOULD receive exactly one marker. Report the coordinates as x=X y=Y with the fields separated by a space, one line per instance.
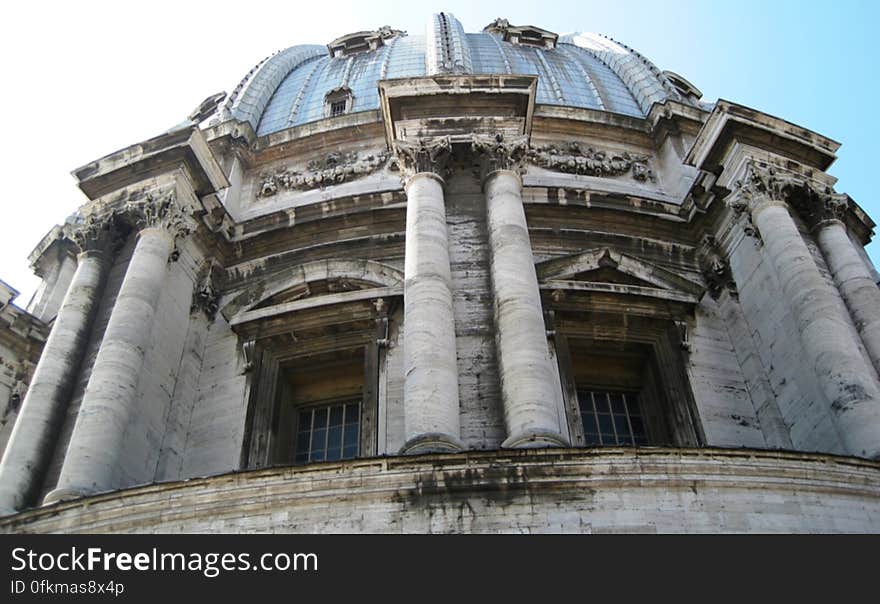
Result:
x=334 y=169
x=571 y=158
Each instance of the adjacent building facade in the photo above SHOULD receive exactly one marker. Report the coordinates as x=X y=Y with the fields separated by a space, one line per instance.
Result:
x=495 y=281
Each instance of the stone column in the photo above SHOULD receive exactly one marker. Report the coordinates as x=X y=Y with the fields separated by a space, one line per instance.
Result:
x=32 y=441
x=430 y=390
x=527 y=377
x=847 y=380
x=92 y=459
x=825 y=212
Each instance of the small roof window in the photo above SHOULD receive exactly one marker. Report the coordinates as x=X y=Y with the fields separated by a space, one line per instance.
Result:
x=522 y=34
x=362 y=41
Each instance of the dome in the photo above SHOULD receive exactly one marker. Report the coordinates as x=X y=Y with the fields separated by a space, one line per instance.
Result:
x=580 y=70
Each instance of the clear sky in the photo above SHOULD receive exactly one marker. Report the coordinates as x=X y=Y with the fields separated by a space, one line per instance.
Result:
x=82 y=79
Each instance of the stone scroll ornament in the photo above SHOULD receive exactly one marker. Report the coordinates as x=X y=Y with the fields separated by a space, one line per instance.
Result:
x=572 y=158
x=335 y=168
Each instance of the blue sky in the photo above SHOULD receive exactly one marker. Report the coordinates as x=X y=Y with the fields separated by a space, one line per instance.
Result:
x=100 y=75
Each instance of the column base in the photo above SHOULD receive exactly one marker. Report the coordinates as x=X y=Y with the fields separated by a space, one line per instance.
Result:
x=432 y=442
x=535 y=439
x=65 y=494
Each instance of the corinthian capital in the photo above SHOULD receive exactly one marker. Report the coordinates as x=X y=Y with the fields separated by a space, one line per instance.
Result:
x=161 y=212
x=427 y=155
x=761 y=184
x=95 y=233
x=817 y=204
x=498 y=153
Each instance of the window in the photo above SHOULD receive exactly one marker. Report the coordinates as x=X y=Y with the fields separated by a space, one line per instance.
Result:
x=630 y=391
x=338 y=101
x=611 y=418
x=328 y=432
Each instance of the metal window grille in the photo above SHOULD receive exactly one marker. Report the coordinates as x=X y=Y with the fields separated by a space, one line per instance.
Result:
x=328 y=432
x=337 y=108
x=611 y=418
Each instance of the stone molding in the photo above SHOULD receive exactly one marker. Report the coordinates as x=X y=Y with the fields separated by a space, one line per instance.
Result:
x=428 y=155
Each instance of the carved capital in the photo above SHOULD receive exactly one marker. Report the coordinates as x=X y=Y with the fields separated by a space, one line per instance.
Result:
x=497 y=153
x=427 y=155
x=96 y=233
x=715 y=268
x=817 y=205
x=160 y=212
x=762 y=185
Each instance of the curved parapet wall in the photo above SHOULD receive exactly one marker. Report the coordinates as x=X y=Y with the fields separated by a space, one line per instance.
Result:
x=573 y=490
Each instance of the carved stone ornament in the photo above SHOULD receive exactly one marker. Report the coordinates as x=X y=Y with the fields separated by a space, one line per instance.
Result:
x=160 y=211
x=820 y=204
x=815 y=202
x=206 y=297
x=334 y=169
x=571 y=158
x=715 y=269
x=498 y=153
x=427 y=155
x=96 y=233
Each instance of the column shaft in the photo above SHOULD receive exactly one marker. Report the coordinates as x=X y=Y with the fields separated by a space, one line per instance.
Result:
x=33 y=438
x=530 y=409
x=846 y=378
x=861 y=294
x=92 y=461
x=431 y=404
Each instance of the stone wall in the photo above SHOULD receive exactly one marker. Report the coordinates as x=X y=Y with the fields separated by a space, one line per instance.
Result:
x=534 y=491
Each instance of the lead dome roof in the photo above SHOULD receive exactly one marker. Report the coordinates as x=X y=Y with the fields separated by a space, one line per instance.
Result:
x=582 y=70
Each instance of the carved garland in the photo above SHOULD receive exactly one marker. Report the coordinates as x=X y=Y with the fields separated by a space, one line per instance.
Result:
x=573 y=159
x=335 y=168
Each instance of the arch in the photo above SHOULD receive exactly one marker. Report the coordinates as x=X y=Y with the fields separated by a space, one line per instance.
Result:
x=382 y=275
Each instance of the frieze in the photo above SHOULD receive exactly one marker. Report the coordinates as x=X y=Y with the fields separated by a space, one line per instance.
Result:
x=335 y=168
x=573 y=158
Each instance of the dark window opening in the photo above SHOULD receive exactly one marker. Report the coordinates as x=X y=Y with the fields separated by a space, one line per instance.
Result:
x=337 y=108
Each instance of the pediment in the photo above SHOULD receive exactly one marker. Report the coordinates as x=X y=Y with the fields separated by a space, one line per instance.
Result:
x=610 y=268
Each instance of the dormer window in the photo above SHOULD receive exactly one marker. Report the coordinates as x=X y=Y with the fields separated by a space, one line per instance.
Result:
x=685 y=88
x=338 y=101
x=528 y=35
x=362 y=41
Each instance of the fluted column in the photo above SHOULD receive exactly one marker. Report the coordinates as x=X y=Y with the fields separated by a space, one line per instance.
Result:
x=825 y=212
x=32 y=441
x=847 y=380
x=527 y=378
x=92 y=459
x=430 y=390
